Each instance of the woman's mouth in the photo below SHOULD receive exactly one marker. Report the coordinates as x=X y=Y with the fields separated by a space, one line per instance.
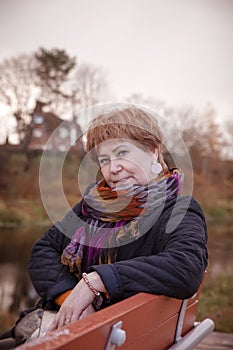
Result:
x=126 y=179
x=122 y=182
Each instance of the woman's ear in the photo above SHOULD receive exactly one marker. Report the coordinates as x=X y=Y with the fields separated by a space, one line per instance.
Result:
x=156 y=167
x=156 y=154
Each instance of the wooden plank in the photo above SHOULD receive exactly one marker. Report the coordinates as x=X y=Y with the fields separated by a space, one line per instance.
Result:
x=142 y=315
x=149 y=320
x=161 y=337
x=217 y=341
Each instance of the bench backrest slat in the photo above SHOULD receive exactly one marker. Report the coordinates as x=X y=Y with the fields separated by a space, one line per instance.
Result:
x=149 y=321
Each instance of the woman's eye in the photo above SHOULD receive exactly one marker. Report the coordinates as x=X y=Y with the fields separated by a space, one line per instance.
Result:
x=121 y=153
x=103 y=161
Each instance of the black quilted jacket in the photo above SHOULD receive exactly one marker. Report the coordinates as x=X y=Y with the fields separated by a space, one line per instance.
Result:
x=168 y=259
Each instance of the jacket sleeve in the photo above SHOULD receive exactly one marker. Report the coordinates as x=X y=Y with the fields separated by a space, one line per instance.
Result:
x=49 y=277
x=176 y=271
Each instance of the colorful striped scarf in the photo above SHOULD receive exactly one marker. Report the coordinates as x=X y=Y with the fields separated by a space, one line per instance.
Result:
x=112 y=218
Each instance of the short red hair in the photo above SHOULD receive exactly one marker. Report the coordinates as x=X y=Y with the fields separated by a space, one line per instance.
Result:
x=130 y=123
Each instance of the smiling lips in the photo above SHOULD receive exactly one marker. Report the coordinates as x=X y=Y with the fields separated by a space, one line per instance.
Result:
x=121 y=181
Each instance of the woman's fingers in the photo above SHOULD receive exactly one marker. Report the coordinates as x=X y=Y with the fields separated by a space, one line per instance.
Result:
x=89 y=310
x=76 y=304
x=68 y=320
x=60 y=320
x=63 y=320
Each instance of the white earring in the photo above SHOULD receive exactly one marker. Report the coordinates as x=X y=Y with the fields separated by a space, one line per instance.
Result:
x=156 y=167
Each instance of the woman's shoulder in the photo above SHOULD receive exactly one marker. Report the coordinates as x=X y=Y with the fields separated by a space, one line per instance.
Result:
x=183 y=202
x=182 y=210
x=190 y=203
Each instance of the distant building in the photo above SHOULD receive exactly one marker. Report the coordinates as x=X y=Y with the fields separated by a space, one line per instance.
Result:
x=66 y=135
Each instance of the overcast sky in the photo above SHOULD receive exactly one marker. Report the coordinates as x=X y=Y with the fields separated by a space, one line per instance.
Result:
x=178 y=51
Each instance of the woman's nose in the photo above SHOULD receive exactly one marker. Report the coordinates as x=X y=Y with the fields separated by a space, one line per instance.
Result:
x=115 y=165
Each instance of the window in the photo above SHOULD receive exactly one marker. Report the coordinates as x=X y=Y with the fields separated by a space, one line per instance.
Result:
x=63 y=132
x=37 y=133
x=38 y=119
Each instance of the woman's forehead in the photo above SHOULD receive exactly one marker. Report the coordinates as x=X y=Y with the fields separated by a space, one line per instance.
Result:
x=113 y=145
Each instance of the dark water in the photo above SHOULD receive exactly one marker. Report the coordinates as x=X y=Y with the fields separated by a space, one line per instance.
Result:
x=16 y=291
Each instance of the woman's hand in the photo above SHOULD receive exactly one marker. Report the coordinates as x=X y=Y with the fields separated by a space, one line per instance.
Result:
x=89 y=310
x=78 y=304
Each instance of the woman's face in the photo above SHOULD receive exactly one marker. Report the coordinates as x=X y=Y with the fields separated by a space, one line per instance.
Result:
x=123 y=163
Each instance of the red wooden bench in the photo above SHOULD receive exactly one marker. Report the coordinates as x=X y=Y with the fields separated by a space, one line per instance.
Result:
x=144 y=321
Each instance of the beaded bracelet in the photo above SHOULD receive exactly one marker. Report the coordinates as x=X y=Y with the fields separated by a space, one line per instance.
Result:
x=84 y=276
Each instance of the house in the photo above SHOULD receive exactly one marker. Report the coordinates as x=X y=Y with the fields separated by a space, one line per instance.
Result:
x=47 y=131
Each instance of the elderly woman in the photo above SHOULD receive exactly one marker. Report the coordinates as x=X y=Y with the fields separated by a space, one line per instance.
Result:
x=132 y=232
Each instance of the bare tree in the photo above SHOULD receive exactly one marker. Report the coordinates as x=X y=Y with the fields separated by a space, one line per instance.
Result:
x=48 y=75
x=18 y=89
x=90 y=84
x=86 y=86
x=198 y=129
x=155 y=105
x=228 y=133
x=67 y=89
x=213 y=136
